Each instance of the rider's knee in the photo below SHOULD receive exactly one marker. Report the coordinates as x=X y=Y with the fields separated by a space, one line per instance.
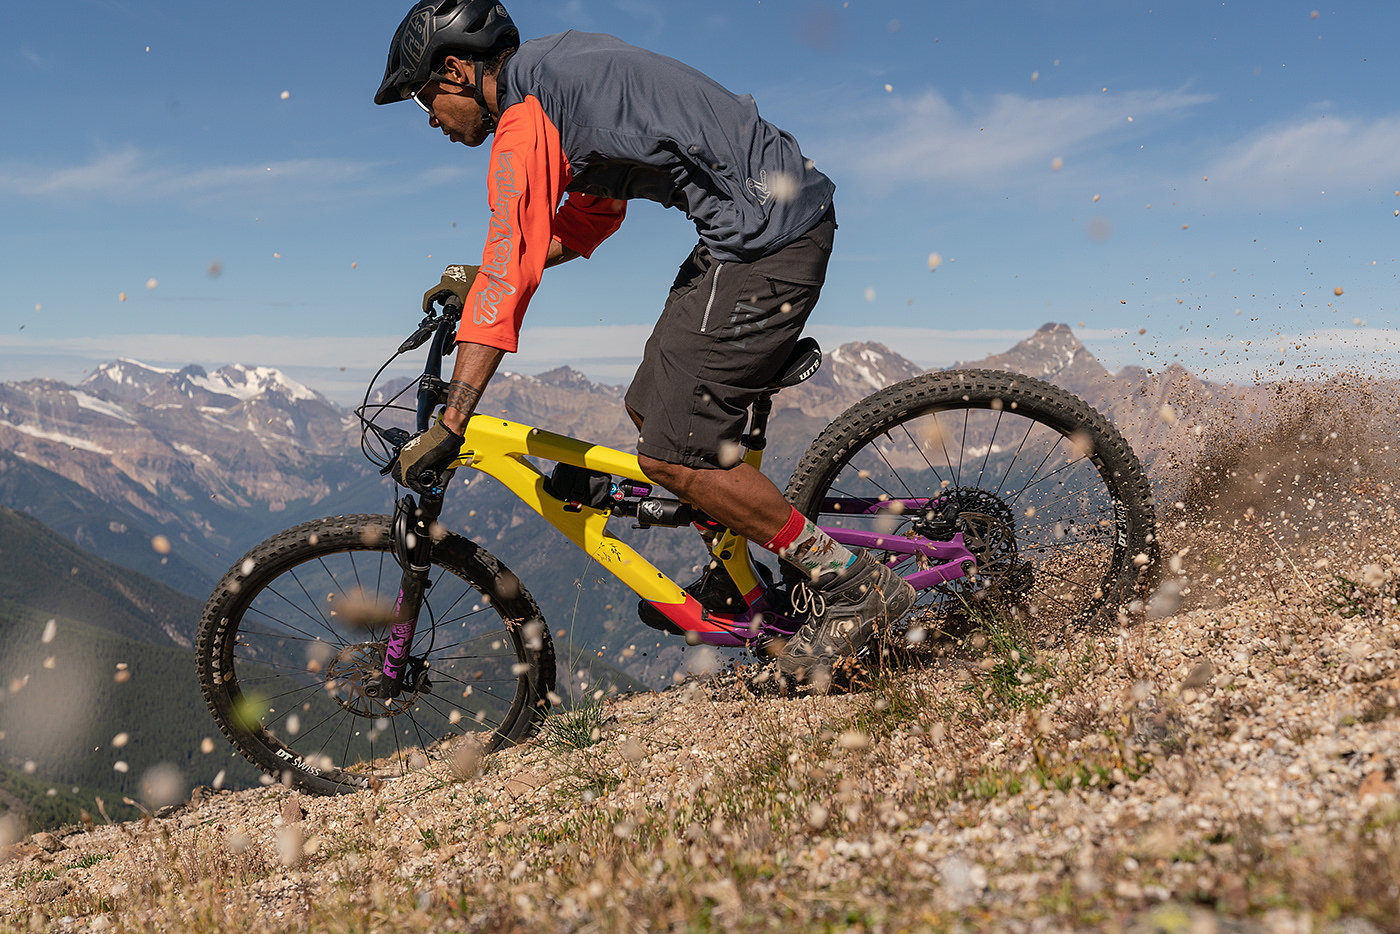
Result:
x=668 y=475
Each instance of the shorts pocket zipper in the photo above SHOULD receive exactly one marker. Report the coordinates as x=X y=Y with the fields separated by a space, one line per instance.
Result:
x=714 y=287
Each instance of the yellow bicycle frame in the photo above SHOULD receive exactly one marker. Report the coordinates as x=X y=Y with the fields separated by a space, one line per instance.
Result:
x=499 y=448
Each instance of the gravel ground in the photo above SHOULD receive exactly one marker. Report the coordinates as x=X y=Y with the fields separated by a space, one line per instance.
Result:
x=1226 y=762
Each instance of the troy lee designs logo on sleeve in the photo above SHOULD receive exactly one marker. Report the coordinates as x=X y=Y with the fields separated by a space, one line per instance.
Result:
x=500 y=241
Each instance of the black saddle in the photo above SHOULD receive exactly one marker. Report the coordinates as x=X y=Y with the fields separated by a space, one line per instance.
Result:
x=806 y=359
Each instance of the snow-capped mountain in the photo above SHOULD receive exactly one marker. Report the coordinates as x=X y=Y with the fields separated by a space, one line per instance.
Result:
x=192 y=455
x=848 y=374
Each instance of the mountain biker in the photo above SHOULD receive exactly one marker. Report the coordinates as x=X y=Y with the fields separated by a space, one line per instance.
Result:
x=602 y=121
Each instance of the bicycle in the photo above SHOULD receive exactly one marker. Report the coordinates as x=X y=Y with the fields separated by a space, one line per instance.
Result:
x=350 y=650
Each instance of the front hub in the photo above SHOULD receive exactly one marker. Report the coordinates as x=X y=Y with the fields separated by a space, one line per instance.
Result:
x=354 y=679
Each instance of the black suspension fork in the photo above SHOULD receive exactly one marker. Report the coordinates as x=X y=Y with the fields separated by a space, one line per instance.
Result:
x=413 y=549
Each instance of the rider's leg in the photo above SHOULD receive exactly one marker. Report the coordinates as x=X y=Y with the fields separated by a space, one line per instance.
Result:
x=725 y=333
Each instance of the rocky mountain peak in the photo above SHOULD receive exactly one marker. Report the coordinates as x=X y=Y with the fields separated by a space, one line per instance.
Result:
x=865 y=365
x=565 y=377
x=124 y=380
x=1052 y=353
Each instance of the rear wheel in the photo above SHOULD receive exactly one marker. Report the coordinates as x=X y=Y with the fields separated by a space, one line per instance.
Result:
x=1048 y=496
x=296 y=629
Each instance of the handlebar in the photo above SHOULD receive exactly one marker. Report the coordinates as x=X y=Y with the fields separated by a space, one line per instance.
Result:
x=439 y=327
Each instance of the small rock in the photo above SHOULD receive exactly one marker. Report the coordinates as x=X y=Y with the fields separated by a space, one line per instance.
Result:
x=50 y=889
x=47 y=842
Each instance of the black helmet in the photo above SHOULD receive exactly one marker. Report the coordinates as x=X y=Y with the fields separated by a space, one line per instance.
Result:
x=474 y=29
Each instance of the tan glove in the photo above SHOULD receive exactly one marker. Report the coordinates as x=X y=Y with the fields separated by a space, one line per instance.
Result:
x=422 y=465
x=456 y=280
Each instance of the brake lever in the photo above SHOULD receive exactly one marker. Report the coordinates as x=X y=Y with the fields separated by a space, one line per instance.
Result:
x=419 y=337
x=396 y=438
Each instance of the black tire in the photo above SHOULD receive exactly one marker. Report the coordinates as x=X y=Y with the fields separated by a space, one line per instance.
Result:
x=1055 y=498
x=293 y=627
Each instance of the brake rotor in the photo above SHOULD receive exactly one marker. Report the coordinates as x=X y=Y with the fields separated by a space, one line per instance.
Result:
x=351 y=670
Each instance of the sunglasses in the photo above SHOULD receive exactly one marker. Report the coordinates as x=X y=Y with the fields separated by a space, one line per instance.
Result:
x=441 y=79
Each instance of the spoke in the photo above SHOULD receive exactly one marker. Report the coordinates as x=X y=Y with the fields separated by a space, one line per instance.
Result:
x=904 y=426
x=318 y=620
x=322 y=722
x=1052 y=473
x=330 y=736
x=1061 y=546
x=312 y=600
x=483 y=635
x=869 y=478
x=990 y=444
x=475 y=682
x=261 y=612
x=447 y=618
x=345 y=755
x=249 y=631
x=1031 y=423
x=271 y=698
x=1094 y=483
x=331 y=574
x=355 y=570
x=1031 y=480
x=1081 y=585
x=893 y=471
x=287 y=711
x=943 y=442
x=962 y=448
x=447 y=717
x=275 y=666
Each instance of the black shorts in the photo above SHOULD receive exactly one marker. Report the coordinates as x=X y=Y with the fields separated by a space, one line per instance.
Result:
x=724 y=334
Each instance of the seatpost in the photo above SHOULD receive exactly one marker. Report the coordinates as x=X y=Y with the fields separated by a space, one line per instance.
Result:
x=757 y=437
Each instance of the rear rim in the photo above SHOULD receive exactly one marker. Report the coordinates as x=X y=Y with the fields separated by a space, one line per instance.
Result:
x=298 y=636
x=1032 y=484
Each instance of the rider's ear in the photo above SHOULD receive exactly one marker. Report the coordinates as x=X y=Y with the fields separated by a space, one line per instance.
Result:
x=458 y=70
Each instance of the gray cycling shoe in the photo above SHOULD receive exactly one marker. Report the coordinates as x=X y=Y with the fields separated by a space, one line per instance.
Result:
x=864 y=599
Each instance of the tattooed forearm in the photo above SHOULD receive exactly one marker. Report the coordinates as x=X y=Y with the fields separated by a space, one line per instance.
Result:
x=462 y=397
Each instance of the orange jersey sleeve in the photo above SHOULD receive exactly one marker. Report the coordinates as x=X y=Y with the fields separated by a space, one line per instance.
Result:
x=585 y=221
x=527 y=179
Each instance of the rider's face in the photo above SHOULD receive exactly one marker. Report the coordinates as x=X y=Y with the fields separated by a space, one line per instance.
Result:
x=451 y=107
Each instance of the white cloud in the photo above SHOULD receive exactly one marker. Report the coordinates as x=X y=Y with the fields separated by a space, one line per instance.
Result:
x=1312 y=154
x=1252 y=356
x=994 y=140
x=130 y=175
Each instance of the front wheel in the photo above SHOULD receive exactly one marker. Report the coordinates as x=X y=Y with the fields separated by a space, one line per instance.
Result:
x=296 y=630
x=1048 y=496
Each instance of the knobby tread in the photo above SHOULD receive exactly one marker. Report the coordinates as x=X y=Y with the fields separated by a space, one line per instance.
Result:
x=292 y=547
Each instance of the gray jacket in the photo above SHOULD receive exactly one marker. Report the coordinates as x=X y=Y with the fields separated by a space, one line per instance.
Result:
x=635 y=124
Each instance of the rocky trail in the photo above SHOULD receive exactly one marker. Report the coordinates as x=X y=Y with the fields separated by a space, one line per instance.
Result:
x=1223 y=761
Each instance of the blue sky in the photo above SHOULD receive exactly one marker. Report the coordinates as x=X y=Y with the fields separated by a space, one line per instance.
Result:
x=1206 y=173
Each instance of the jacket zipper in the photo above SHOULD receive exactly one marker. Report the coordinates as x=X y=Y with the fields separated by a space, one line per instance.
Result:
x=714 y=287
